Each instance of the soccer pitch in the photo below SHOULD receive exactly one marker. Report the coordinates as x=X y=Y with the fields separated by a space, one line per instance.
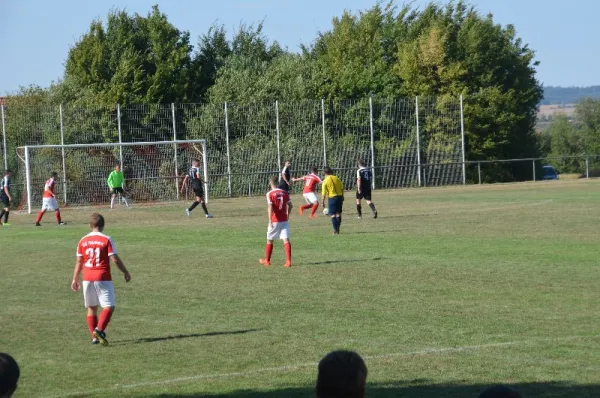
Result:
x=448 y=291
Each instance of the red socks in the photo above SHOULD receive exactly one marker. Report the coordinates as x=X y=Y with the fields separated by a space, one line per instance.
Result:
x=268 y=251
x=304 y=207
x=92 y=322
x=39 y=217
x=105 y=316
x=58 y=216
x=314 y=209
x=288 y=252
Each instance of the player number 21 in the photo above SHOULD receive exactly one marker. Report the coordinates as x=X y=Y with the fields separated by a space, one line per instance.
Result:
x=93 y=257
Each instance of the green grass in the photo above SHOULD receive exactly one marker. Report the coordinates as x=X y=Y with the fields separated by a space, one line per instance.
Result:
x=450 y=290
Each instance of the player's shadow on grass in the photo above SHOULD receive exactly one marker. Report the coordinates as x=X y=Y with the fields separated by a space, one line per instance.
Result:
x=327 y=262
x=415 y=389
x=183 y=336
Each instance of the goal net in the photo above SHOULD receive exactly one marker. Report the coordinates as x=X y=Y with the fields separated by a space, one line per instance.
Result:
x=154 y=171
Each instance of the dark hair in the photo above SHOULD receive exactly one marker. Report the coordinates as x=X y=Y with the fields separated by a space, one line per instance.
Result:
x=97 y=221
x=314 y=170
x=54 y=174
x=9 y=374
x=328 y=170
x=361 y=163
x=195 y=160
x=499 y=392
x=7 y=172
x=273 y=180
x=341 y=374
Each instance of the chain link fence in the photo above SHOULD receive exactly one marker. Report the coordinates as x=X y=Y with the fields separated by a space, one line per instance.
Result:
x=408 y=142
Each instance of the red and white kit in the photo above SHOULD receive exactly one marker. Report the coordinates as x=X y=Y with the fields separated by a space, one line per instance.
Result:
x=48 y=200
x=280 y=228
x=310 y=185
x=95 y=250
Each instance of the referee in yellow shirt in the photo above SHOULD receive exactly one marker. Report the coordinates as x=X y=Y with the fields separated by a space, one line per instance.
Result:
x=333 y=189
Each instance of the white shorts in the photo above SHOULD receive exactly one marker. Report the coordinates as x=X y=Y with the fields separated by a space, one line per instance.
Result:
x=100 y=293
x=49 y=204
x=310 y=198
x=280 y=230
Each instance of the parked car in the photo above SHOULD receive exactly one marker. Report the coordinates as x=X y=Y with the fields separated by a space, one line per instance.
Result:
x=550 y=173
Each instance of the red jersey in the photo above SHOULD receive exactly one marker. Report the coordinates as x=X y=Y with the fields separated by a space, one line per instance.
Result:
x=310 y=183
x=279 y=199
x=49 y=188
x=95 y=249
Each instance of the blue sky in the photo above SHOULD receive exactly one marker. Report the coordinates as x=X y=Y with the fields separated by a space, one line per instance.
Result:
x=35 y=35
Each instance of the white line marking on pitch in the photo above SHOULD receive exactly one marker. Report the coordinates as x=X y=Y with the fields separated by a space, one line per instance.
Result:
x=429 y=351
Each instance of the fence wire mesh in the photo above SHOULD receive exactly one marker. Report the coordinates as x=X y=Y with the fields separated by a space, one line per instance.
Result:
x=409 y=142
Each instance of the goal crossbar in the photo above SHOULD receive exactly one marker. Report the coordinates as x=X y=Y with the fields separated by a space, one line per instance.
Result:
x=25 y=150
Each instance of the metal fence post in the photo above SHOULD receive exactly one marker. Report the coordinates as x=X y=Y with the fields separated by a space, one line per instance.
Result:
x=372 y=143
x=587 y=168
x=324 y=134
x=120 y=135
x=4 y=138
x=418 y=142
x=228 y=155
x=278 y=134
x=479 y=171
x=533 y=169
x=64 y=162
x=462 y=139
x=175 y=151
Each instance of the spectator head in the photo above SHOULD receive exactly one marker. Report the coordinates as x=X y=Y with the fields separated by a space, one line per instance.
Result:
x=9 y=375
x=342 y=374
x=328 y=171
x=499 y=392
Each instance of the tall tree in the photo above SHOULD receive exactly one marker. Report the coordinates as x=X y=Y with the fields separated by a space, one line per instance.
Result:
x=132 y=59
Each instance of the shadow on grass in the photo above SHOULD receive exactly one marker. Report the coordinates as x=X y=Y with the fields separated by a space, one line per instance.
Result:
x=183 y=336
x=364 y=260
x=419 y=388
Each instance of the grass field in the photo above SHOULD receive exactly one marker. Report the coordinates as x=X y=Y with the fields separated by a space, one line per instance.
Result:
x=450 y=290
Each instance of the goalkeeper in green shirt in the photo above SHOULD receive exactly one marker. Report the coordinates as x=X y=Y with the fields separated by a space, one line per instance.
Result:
x=115 y=183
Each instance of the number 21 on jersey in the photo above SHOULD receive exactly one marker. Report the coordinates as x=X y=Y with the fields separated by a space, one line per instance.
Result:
x=93 y=257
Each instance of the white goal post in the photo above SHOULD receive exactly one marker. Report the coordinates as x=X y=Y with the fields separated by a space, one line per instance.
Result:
x=153 y=171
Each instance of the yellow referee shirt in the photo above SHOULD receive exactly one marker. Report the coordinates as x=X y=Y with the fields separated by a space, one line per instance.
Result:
x=332 y=187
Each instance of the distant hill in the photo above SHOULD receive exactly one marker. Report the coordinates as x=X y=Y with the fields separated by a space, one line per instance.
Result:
x=568 y=95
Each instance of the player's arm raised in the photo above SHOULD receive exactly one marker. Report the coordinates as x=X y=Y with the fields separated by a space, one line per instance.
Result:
x=121 y=266
x=78 y=267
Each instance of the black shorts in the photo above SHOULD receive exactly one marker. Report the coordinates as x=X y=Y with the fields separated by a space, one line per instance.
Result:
x=4 y=200
x=283 y=185
x=118 y=190
x=335 y=205
x=366 y=195
x=198 y=189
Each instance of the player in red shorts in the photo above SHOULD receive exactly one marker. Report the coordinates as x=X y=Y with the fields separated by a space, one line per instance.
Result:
x=311 y=181
x=93 y=253
x=278 y=211
x=49 y=201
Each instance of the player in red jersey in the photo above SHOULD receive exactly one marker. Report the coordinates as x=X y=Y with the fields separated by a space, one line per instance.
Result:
x=278 y=212
x=311 y=181
x=93 y=253
x=49 y=201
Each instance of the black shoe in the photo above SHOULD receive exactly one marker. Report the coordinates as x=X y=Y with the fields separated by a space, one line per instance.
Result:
x=37 y=224
x=95 y=341
x=375 y=215
x=101 y=336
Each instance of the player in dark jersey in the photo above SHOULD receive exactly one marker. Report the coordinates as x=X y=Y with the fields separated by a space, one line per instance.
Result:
x=364 y=179
x=5 y=197
x=194 y=177
x=285 y=178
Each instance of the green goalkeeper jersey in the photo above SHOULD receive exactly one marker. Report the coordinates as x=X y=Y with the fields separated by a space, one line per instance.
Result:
x=115 y=179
